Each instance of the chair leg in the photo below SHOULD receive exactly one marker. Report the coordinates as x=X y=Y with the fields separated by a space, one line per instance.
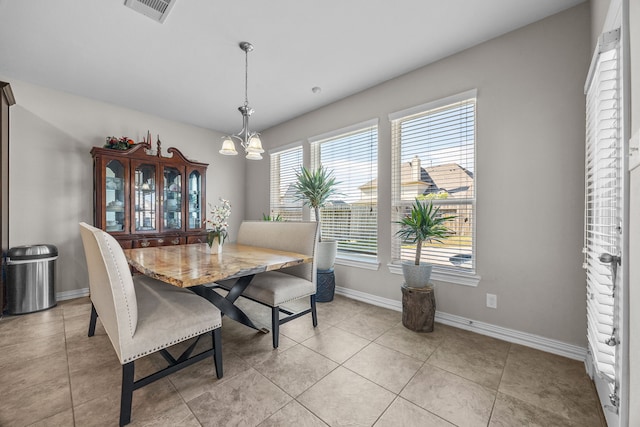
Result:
x=314 y=314
x=126 y=396
x=92 y=321
x=217 y=355
x=275 y=325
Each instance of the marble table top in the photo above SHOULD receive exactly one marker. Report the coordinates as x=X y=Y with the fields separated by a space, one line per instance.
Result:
x=191 y=265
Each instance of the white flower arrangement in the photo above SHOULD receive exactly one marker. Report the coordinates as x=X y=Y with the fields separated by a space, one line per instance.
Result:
x=218 y=222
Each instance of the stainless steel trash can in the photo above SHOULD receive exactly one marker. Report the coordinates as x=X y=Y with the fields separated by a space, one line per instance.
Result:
x=31 y=275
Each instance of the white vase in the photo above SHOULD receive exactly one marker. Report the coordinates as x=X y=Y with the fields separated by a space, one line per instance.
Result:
x=216 y=246
x=215 y=242
x=327 y=250
x=416 y=276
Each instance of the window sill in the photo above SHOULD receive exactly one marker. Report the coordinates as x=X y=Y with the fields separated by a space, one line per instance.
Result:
x=367 y=263
x=443 y=275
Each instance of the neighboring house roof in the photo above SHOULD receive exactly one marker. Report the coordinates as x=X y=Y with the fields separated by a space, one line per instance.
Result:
x=291 y=193
x=447 y=175
x=434 y=178
x=406 y=177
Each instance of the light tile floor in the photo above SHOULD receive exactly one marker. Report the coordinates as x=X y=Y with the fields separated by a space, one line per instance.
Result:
x=359 y=367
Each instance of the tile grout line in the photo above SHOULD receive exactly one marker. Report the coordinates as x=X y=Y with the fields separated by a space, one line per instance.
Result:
x=66 y=351
x=327 y=374
x=414 y=375
x=495 y=397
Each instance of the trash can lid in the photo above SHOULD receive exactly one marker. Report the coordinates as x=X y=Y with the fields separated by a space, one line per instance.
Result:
x=27 y=252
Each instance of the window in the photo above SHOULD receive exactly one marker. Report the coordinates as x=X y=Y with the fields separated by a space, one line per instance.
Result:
x=284 y=165
x=433 y=159
x=351 y=217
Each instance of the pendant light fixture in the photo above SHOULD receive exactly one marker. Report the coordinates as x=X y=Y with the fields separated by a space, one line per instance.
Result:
x=250 y=141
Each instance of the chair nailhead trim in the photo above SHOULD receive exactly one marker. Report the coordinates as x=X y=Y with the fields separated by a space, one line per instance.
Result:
x=131 y=326
x=169 y=344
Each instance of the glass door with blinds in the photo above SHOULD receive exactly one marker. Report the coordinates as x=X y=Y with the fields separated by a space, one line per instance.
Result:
x=605 y=223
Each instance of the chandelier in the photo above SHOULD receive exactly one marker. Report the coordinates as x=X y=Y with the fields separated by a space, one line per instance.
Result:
x=250 y=141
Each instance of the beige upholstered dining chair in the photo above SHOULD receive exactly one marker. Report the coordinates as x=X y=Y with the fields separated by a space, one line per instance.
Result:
x=275 y=288
x=142 y=315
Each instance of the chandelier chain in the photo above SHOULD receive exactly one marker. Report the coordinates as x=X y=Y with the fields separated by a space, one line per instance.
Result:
x=246 y=77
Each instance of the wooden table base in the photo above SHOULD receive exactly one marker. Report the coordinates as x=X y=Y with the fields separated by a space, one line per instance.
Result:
x=418 y=308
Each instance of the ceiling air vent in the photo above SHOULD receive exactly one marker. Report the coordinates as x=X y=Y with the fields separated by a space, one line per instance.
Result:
x=154 y=9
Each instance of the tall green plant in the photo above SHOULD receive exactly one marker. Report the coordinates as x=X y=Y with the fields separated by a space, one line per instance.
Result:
x=315 y=187
x=423 y=224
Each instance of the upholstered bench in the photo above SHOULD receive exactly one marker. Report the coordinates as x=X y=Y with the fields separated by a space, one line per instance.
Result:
x=275 y=288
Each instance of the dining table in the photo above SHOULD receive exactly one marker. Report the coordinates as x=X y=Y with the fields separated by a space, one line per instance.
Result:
x=194 y=267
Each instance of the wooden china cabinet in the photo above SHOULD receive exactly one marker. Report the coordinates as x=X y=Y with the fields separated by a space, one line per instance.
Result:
x=145 y=199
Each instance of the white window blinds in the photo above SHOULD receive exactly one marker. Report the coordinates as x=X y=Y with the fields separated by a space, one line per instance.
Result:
x=284 y=165
x=351 y=217
x=603 y=209
x=433 y=159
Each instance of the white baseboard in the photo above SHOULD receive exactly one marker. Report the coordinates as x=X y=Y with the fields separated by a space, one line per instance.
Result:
x=523 y=338
x=76 y=293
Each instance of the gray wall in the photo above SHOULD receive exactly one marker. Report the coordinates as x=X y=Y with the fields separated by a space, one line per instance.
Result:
x=530 y=166
x=599 y=10
x=51 y=172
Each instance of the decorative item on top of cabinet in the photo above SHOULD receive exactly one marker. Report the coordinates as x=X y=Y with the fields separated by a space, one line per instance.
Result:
x=145 y=199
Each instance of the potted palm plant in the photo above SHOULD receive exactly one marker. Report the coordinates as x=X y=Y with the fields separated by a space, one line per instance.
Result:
x=314 y=187
x=424 y=224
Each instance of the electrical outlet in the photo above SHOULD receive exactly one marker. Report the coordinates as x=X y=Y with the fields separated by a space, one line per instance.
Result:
x=492 y=301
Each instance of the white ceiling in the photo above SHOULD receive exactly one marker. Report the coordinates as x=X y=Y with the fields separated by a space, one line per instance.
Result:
x=191 y=69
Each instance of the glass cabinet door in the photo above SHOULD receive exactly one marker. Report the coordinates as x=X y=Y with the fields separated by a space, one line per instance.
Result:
x=172 y=210
x=195 y=200
x=145 y=197
x=114 y=196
